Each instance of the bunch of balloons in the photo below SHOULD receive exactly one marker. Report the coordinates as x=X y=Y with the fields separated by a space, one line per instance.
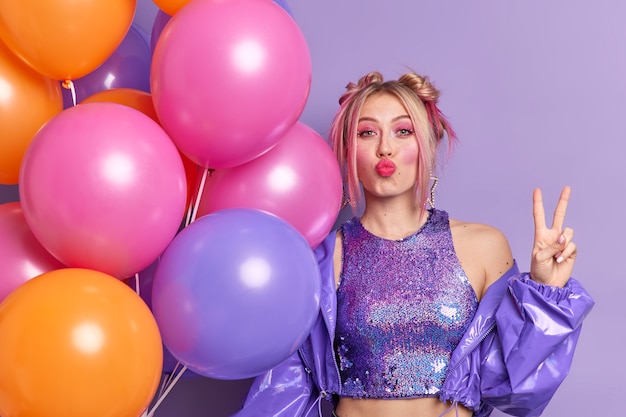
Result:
x=179 y=166
x=229 y=279
x=74 y=340
x=43 y=42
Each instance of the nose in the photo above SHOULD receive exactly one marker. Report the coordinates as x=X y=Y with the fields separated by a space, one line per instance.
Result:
x=384 y=147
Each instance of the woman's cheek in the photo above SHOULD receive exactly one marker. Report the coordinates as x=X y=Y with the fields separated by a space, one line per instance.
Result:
x=364 y=165
x=409 y=155
x=361 y=156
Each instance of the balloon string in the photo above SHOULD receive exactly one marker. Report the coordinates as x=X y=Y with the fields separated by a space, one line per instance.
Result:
x=174 y=377
x=193 y=197
x=189 y=213
x=194 y=213
x=164 y=394
x=68 y=84
x=165 y=383
x=170 y=376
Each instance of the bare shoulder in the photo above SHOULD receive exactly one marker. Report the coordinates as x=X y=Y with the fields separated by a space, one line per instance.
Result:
x=477 y=233
x=483 y=250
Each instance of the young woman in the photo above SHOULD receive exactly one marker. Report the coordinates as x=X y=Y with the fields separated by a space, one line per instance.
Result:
x=422 y=315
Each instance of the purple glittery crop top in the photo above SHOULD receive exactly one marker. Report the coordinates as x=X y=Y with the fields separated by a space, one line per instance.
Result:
x=402 y=307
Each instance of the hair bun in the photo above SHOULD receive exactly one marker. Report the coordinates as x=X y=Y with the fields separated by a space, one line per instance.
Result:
x=421 y=86
x=371 y=78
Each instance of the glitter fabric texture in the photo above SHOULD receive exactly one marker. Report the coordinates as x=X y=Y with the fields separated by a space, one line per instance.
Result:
x=403 y=306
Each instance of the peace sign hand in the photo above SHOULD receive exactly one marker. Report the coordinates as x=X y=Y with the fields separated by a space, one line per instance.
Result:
x=553 y=251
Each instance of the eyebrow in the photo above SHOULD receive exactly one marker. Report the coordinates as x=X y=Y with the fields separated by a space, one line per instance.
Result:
x=395 y=119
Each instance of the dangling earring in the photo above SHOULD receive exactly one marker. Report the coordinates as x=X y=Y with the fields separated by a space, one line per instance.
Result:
x=431 y=198
x=345 y=199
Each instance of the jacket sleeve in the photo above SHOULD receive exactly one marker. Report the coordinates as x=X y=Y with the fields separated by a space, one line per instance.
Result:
x=529 y=353
x=287 y=390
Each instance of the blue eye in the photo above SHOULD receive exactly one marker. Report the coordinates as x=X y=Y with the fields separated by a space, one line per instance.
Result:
x=365 y=133
x=404 y=132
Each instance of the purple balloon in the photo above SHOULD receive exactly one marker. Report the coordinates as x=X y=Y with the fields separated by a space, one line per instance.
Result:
x=284 y=5
x=146 y=278
x=236 y=293
x=127 y=67
x=160 y=20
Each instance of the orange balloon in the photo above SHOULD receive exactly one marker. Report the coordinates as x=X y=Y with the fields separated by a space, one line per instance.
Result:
x=77 y=343
x=27 y=101
x=142 y=101
x=131 y=97
x=65 y=39
x=171 y=6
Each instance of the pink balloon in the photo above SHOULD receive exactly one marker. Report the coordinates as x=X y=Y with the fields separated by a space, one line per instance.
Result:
x=298 y=180
x=103 y=187
x=22 y=257
x=229 y=78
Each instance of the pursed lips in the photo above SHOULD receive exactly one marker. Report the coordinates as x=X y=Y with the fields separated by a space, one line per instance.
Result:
x=385 y=168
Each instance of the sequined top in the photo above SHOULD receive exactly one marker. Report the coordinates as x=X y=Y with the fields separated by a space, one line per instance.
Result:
x=402 y=307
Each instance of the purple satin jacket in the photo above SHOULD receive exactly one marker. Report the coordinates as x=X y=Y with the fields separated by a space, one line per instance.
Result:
x=514 y=355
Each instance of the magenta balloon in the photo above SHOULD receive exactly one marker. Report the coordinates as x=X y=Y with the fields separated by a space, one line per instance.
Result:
x=236 y=293
x=103 y=187
x=127 y=67
x=298 y=180
x=229 y=78
x=22 y=257
x=161 y=19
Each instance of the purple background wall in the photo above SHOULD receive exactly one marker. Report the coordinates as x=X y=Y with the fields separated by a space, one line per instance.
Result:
x=535 y=91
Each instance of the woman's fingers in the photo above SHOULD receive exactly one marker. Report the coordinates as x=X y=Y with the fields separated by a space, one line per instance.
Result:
x=561 y=208
x=567 y=253
x=554 y=251
x=559 y=211
x=564 y=246
x=538 y=211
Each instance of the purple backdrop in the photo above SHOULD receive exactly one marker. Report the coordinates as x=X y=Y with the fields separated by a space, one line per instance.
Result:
x=534 y=90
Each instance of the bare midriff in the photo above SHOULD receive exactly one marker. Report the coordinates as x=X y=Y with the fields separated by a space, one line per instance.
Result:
x=411 y=407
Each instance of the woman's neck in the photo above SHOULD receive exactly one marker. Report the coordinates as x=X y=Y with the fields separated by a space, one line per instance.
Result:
x=393 y=219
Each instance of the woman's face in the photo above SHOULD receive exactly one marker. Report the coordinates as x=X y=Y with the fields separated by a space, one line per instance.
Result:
x=387 y=150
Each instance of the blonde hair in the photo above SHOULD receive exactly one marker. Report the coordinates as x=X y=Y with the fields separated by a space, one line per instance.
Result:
x=419 y=97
